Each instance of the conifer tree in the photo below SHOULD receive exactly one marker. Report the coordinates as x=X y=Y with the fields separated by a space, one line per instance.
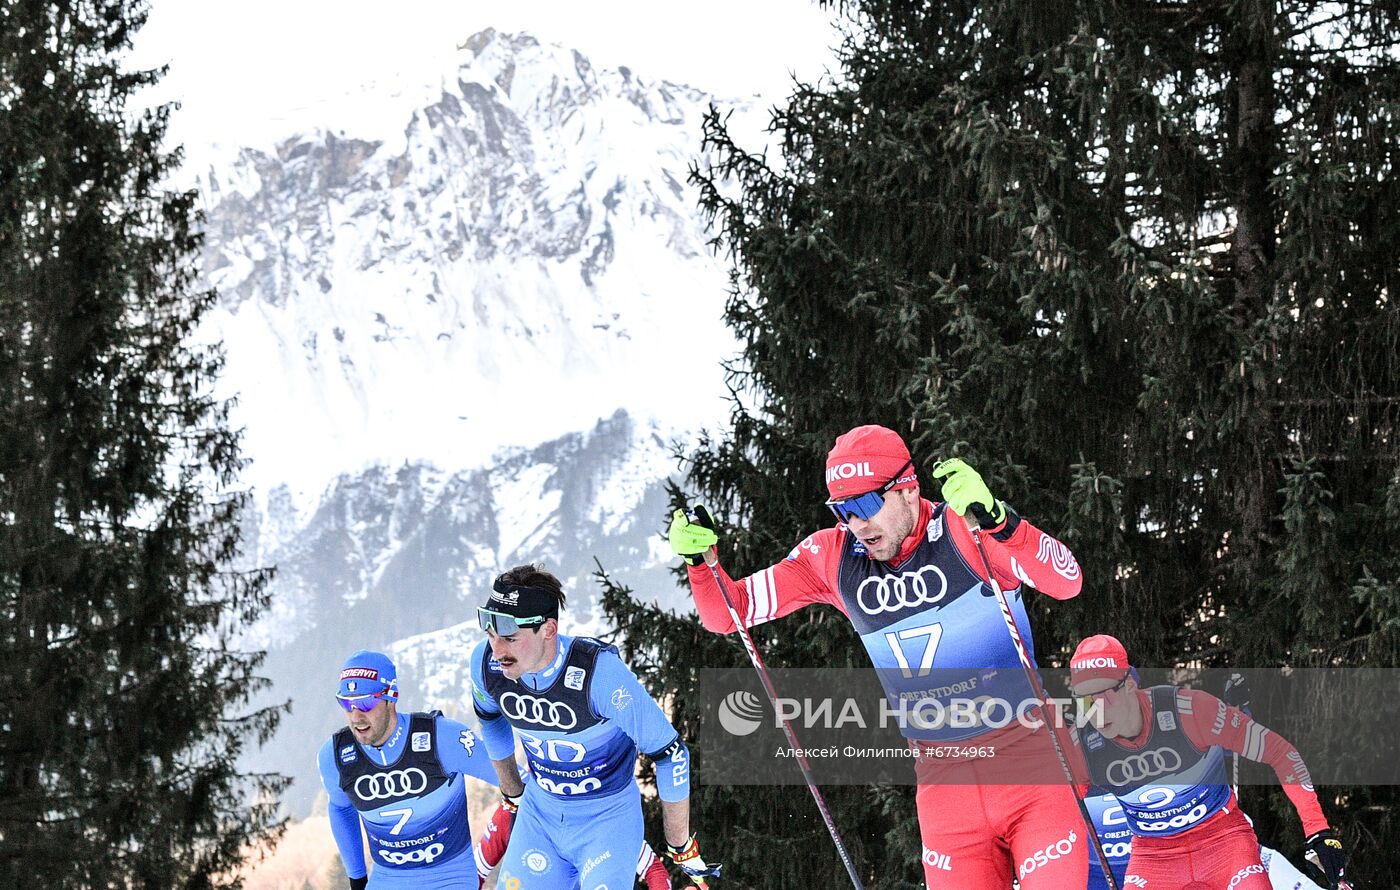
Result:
x=1132 y=261
x=125 y=702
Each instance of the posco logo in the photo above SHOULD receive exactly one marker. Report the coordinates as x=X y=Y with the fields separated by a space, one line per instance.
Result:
x=567 y=788
x=1245 y=872
x=425 y=855
x=391 y=785
x=1138 y=767
x=891 y=593
x=1062 y=847
x=538 y=711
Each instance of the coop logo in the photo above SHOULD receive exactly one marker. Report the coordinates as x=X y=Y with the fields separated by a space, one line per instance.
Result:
x=564 y=789
x=424 y=855
x=538 y=711
x=891 y=593
x=1157 y=762
x=390 y=785
x=740 y=713
x=1118 y=850
x=848 y=471
x=1062 y=847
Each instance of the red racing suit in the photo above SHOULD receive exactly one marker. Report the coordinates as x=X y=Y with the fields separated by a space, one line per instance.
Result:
x=1188 y=830
x=930 y=608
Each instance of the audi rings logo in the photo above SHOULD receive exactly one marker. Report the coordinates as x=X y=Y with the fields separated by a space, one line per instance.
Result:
x=1157 y=762
x=387 y=786
x=538 y=711
x=890 y=593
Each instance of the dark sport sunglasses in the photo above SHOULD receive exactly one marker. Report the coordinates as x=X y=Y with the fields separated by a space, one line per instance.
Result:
x=503 y=625
x=865 y=506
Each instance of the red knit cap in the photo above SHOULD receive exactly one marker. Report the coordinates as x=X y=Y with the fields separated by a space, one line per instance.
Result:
x=864 y=459
x=1099 y=657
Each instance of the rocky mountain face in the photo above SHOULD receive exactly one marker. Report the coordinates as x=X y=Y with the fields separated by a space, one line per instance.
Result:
x=449 y=326
x=511 y=261
x=398 y=558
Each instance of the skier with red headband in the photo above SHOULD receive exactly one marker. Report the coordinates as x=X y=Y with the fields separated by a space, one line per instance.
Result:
x=907 y=573
x=1161 y=752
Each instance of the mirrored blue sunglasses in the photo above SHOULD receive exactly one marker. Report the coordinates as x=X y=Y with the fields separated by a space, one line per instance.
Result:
x=503 y=625
x=865 y=506
x=367 y=702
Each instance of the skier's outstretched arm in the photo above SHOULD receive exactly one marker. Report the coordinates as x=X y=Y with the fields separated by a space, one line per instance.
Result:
x=345 y=821
x=1019 y=552
x=801 y=579
x=617 y=694
x=1209 y=721
x=495 y=731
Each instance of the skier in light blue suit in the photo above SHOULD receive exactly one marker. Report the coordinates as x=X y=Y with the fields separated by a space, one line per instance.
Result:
x=582 y=716
x=402 y=775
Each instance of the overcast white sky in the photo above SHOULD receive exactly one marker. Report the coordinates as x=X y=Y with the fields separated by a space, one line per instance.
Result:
x=238 y=68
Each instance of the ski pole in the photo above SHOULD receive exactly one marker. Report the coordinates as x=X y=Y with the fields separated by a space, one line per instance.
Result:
x=1039 y=692
x=787 y=727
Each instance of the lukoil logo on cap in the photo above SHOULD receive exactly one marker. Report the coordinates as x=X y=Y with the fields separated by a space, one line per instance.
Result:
x=848 y=471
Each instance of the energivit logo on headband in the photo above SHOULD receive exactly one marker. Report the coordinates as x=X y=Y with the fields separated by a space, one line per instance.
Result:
x=391 y=785
x=1139 y=767
x=538 y=711
x=359 y=674
x=891 y=593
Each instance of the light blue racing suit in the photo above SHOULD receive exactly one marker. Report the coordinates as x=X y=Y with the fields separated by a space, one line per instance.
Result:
x=409 y=793
x=581 y=721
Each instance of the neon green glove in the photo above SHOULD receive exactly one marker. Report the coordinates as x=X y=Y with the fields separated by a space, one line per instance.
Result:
x=691 y=538
x=964 y=490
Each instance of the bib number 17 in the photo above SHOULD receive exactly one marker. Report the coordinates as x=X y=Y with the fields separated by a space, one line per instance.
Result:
x=898 y=640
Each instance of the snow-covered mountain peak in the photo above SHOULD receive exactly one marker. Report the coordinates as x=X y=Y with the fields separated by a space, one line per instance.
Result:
x=516 y=257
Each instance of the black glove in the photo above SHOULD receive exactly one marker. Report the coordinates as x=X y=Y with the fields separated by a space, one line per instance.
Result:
x=1326 y=854
x=1236 y=692
x=359 y=883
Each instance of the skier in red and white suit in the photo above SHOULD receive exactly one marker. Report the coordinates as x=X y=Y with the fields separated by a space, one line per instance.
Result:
x=1161 y=752
x=906 y=572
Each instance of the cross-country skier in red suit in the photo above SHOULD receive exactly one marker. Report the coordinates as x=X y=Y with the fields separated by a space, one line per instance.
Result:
x=906 y=572
x=1161 y=752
